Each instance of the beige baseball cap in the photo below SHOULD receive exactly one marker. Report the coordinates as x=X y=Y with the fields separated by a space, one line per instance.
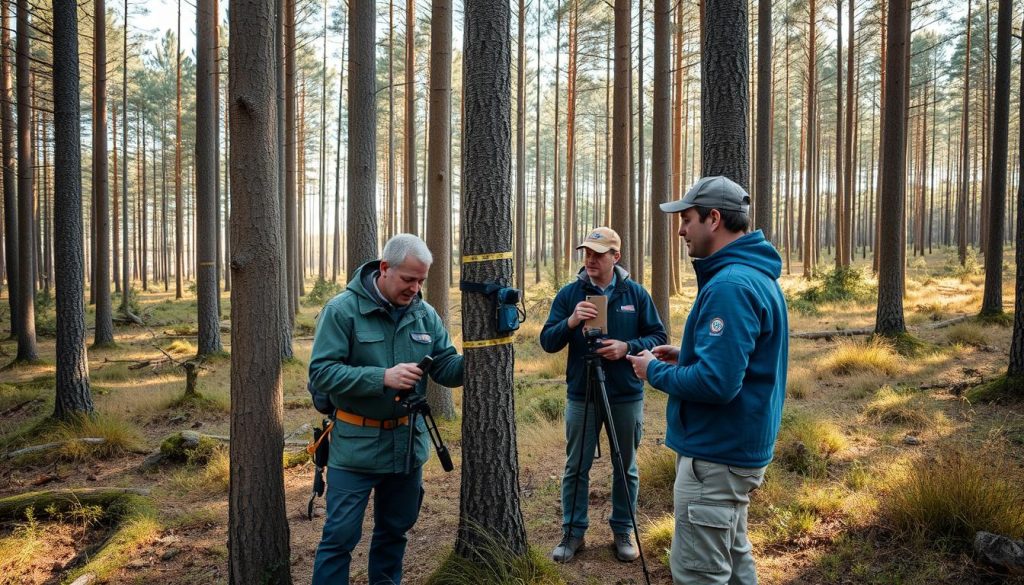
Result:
x=601 y=240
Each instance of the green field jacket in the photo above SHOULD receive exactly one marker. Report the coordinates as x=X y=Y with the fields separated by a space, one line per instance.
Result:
x=356 y=340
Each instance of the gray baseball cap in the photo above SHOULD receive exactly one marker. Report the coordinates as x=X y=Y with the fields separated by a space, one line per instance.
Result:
x=714 y=193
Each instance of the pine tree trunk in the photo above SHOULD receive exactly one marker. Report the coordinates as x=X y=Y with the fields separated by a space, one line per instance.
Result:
x=291 y=147
x=541 y=214
x=965 y=164
x=72 y=396
x=336 y=265
x=439 y=236
x=661 y=157
x=521 y=227
x=179 y=212
x=361 y=229
x=889 y=316
x=725 y=73
x=840 y=226
x=570 y=139
x=556 y=231
x=115 y=266
x=322 y=178
x=490 y=470
x=126 y=254
x=104 y=332
x=765 y=121
x=280 y=78
x=207 y=289
x=9 y=171
x=411 y=220
x=621 y=120
x=810 y=127
x=1016 y=365
x=992 y=299
x=258 y=533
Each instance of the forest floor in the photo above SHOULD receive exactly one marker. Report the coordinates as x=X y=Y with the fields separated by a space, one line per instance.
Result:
x=864 y=429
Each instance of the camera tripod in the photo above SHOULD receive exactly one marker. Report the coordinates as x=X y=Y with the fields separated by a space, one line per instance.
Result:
x=596 y=386
x=416 y=405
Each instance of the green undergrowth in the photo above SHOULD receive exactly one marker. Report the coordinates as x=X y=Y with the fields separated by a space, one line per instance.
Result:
x=840 y=285
x=128 y=520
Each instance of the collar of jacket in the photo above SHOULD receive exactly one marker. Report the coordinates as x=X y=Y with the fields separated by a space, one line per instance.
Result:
x=620 y=281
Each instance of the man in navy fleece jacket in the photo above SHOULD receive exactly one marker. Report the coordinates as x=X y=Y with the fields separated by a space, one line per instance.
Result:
x=633 y=325
x=726 y=383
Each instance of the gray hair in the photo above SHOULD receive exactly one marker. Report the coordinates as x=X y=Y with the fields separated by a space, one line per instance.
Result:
x=400 y=247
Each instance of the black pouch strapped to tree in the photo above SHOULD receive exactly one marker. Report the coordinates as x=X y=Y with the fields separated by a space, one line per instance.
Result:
x=507 y=312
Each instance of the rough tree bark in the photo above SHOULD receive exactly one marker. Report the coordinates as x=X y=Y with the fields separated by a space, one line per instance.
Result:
x=207 y=289
x=72 y=385
x=725 y=93
x=9 y=170
x=992 y=299
x=490 y=468
x=439 y=153
x=361 y=234
x=889 y=315
x=258 y=533
x=765 y=121
x=661 y=157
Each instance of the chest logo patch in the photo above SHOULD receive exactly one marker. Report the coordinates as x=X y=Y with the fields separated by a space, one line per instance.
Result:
x=627 y=309
x=717 y=326
x=420 y=337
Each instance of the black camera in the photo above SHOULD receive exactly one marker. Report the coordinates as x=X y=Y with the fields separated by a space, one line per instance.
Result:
x=509 y=296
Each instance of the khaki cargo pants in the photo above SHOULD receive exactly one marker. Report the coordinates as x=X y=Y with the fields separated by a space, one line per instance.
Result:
x=710 y=545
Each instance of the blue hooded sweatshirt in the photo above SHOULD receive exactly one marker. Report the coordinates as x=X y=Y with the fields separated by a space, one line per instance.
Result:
x=631 y=318
x=726 y=392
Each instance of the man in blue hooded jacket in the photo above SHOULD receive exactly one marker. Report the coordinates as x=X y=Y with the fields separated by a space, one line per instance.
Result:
x=726 y=383
x=632 y=325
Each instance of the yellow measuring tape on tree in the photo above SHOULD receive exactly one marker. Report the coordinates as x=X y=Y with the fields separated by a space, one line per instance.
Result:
x=486 y=257
x=488 y=342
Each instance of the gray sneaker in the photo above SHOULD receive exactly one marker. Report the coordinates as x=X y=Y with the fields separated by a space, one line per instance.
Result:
x=625 y=550
x=567 y=549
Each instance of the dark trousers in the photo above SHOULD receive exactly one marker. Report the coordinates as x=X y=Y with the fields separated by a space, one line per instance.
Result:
x=396 y=504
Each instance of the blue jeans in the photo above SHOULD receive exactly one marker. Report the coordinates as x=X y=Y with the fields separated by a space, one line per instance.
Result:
x=396 y=504
x=628 y=417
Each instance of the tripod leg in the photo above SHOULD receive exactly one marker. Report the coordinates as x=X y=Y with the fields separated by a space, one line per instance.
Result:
x=581 y=434
x=627 y=419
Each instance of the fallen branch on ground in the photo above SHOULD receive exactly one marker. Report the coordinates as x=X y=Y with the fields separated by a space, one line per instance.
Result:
x=829 y=334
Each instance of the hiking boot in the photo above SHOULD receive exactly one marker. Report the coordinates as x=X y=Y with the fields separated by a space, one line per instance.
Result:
x=625 y=550
x=567 y=548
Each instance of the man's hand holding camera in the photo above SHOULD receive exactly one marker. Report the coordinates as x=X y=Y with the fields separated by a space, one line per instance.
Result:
x=402 y=376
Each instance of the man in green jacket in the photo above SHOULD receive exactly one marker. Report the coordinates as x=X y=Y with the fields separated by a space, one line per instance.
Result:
x=367 y=344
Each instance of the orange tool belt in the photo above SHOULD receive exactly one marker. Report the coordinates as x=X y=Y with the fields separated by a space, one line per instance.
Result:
x=362 y=421
x=355 y=419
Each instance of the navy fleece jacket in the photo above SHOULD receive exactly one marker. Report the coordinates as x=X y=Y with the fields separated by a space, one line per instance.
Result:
x=631 y=318
x=726 y=392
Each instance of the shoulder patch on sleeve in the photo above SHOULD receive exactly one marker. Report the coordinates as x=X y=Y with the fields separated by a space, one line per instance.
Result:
x=717 y=326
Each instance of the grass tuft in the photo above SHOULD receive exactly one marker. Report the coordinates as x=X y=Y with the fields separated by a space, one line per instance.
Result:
x=657 y=466
x=182 y=347
x=493 y=563
x=900 y=406
x=948 y=499
x=657 y=537
x=805 y=445
x=967 y=333
x=121 y=437
x=852 y=357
